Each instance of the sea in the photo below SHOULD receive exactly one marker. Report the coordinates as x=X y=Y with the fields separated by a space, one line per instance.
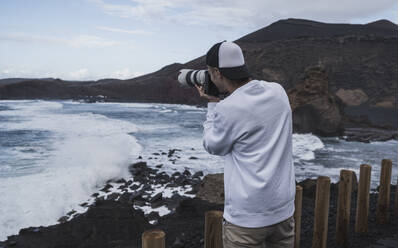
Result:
x=55 y=154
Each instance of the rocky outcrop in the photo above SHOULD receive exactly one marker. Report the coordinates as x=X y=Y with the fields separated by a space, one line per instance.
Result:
x=367 y=135
x=315 y=109
x=353 y=97
x=212 y=188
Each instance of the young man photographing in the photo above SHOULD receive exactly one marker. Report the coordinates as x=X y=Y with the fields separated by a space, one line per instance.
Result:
x=252 y=128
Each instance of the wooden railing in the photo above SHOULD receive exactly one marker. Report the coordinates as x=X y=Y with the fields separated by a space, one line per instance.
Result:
x=213 y=219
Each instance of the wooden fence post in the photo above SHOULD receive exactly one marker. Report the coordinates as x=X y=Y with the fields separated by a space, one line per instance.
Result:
x=298 y=202
x=153 y=239
x=322 y=199
x=383 y=203
x=396 y=198
x=213 y=229
x=344 y=207
x=361 y=222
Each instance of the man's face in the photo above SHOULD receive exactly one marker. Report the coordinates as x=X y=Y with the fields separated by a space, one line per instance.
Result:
x=216 y=78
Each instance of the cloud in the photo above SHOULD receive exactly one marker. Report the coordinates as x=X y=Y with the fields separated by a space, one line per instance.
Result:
x=145 y=10
x=250 y=13
x=85 y=74
x=89 y=41
x=23 y=72
x=81 y=74
x=126 y=31
x=125 y=73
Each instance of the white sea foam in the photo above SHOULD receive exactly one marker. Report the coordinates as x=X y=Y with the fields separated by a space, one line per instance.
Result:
x=167 y=111
x=86 y=150
x=190 y=107
x=14 y=101
x=127 y=104
x=72 y=102
x=157 y=127
x=26 y=109
x=388 y=142
x=304 y=146
x=341 y=150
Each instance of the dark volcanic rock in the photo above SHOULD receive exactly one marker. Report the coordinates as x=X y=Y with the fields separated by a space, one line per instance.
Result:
x=112 y=196
x=156 y=197
x=106 y=188
x=315 y=109
x=197 y=174
x=191 y=211
x=369 y=134
x=212 y=188
x=100 y=226
x=116 y=224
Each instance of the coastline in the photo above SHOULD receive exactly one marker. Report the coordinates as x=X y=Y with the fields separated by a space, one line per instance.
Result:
x=115 y=220
x=354 y=129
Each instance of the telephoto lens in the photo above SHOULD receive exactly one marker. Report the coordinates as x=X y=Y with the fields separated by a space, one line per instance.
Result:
x=190 y=78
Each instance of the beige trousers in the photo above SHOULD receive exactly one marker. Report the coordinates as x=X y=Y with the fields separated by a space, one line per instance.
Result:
x=280 y=235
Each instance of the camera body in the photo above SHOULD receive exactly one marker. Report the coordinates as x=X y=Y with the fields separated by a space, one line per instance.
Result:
x=190 y=78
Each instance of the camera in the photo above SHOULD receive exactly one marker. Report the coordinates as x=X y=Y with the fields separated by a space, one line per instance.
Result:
x=190 y=77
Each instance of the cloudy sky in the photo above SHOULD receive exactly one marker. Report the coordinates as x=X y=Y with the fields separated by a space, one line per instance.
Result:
x=93 y=39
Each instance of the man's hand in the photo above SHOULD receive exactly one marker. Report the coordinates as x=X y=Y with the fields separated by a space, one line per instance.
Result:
x=208 y=97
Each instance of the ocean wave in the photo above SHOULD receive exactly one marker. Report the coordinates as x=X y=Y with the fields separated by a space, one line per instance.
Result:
x=127 y=104
x=29 y=108
x=85 y=150
x=340 y=150
x=388 y=142
x=304 y=146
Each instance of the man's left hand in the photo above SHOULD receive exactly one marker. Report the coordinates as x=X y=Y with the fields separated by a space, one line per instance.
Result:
x=208 y=97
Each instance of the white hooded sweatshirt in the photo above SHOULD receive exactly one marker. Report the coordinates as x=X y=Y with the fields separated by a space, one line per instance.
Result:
x=252 y=128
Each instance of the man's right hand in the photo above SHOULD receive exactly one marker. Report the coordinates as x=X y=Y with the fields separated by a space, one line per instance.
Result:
x=208 y=97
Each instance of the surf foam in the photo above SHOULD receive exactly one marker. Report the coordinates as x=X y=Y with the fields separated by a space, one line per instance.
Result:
x=85 y=150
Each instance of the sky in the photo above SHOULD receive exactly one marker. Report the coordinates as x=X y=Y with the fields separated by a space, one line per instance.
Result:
x=94 y=39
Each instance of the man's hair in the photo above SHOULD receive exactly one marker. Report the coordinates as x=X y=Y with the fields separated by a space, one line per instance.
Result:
x=238 y=82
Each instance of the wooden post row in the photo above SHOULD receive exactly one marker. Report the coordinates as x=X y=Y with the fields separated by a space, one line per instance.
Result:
x=383 y=203
x=344 y=207
x=298 y=202
x=153 y=239
x=213 y=219
x=361 y=220
x=322 y=199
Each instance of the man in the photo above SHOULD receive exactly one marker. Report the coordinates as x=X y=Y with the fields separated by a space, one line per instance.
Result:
x=252 y=128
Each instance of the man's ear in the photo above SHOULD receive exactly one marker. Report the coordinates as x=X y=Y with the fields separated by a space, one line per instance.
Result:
x=217 y=72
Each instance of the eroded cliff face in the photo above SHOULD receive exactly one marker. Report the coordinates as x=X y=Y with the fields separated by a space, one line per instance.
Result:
x=361 y=71
x=315 y=109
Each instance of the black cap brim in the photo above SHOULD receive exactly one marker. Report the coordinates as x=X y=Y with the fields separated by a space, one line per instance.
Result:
x=235 y=73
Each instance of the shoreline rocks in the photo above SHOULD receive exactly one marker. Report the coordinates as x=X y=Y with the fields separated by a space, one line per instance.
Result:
x=367 y=135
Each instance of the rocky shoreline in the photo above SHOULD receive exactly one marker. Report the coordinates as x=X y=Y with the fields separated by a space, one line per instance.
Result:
x=367 y=135
x=123 y=209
